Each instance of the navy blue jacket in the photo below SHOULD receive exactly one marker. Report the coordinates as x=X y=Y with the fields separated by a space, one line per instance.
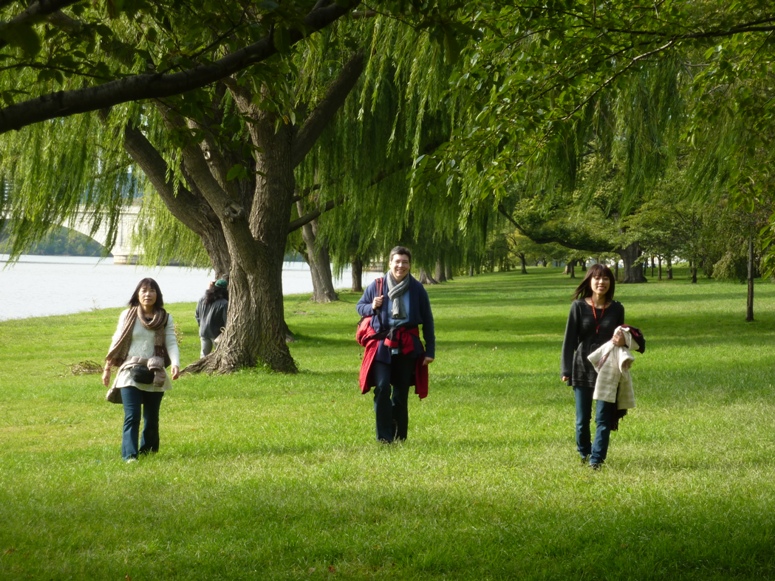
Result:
x=419 y=314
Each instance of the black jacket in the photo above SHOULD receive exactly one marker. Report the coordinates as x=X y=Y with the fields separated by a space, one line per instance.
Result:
x=583 y=334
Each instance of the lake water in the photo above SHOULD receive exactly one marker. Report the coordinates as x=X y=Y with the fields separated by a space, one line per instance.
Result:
x=37 y=286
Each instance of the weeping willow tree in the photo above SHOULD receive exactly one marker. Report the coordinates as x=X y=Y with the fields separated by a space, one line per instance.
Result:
x=582 y=111
x=58 y=48
x=392 y=192
x=222 y=160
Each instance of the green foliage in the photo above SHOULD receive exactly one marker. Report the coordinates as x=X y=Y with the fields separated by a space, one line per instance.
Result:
x=462 y=107
x=51 y=184
x=486 y=487
x=164 y=239
x=370 y=158
x=731 y=267
x=598 y=107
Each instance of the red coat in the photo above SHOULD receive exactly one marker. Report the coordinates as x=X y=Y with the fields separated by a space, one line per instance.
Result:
x=403 y=340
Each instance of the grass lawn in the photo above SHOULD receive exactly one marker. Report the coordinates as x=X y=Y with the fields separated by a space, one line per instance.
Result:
x=266 y=476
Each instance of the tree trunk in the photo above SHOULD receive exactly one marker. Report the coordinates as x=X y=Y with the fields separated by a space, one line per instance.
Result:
x=255 y=328
x=323 y=290
x=441 y=275
x=448 y=271
x=319 y=262
x=751 y=273
x=424 y=278
x=523 y=261
x=633 y=267
x=244 y=222
x=669 y=268
x=357 y=275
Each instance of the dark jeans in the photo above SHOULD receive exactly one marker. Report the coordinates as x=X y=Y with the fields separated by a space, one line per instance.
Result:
x=150 y=401
x=605 y=418
x=391 y=410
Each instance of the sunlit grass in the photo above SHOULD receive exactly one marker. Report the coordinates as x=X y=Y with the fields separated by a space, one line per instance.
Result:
x=266 y=476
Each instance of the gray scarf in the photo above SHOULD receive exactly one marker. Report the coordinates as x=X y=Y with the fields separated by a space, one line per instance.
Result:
x=395 y=291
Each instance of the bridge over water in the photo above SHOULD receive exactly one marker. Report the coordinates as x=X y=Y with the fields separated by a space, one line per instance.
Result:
x=122 y=252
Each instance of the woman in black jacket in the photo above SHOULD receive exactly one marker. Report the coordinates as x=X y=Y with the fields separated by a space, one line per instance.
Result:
x=210 y=314
x=594 y=316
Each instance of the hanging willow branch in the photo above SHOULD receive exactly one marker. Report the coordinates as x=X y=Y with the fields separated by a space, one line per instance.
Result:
x=153 y=86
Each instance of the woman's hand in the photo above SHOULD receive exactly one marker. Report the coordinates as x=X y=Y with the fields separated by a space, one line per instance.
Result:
x=376 y=303
x=175 y=372
x=565 y=378
x=106 y=376
x=427 y=360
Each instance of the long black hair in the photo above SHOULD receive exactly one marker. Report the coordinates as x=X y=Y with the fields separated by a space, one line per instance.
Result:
x=584 y=290
x=135 y=300
x=214 y=293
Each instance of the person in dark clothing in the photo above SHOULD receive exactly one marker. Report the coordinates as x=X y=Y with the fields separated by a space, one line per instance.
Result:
x=593 y=318
x=211 y=314
x=398 y=354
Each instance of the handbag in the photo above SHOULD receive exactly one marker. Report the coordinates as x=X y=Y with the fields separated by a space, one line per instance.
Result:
x=638 y=337
x=113 y=395
x=362 y=333
x=141 y=374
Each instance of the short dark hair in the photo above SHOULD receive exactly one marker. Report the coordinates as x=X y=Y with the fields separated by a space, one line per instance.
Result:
x=135 y=300
x=584 y=290
x=403 y=250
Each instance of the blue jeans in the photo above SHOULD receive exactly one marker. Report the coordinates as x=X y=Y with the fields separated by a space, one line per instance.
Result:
x=605 y=417
x=392 y=410
x=150 y=401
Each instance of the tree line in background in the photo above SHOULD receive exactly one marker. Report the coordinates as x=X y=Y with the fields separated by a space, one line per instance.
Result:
x=60 y=241
x=472 y=132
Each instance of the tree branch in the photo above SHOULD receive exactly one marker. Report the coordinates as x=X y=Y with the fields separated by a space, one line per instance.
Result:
x=190 y=208
x=32 y=14
x=307 y=218
x=152 y=86
x=616 y=75
x=327 y=108
x=565 y=238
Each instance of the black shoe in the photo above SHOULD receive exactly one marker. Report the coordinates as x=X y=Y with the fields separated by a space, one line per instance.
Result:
x=584 y=460
x=596 y=466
